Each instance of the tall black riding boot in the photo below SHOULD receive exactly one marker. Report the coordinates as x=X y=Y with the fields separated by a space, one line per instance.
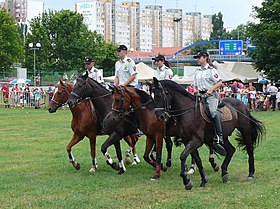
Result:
x=218 y=129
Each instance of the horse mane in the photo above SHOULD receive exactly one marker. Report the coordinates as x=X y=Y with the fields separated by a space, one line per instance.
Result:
x=94 y=83
x=145 y=98
x=176 y=87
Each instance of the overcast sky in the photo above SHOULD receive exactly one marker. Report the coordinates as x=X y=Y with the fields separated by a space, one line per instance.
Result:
x=235 y=12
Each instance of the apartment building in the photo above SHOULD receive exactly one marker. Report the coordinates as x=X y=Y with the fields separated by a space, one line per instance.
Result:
x=144 y=29
x=23 y=10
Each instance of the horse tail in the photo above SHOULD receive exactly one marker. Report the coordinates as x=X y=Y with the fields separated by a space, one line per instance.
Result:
x=258 y=132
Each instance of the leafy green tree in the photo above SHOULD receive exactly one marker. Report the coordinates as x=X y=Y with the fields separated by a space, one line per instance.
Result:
x=219 y=32
x=11 y=45
x=65 y=41
x=266 y=37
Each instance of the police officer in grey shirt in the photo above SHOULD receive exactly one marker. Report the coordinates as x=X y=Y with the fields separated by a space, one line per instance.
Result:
x=125 y=69
x=207 y=81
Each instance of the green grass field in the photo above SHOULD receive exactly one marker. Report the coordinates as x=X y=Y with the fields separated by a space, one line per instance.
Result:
x=35 y=171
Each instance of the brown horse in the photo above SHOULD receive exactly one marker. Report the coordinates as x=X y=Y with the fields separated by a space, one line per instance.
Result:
x=84 y=123
x=130 y=99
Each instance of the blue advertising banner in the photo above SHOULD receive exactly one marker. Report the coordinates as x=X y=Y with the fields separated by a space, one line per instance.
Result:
x=230 y=47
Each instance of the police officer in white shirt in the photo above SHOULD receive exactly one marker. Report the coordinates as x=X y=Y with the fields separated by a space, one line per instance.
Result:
x=207 y=81
x=163 y=71
x=93 y=72
x=125 y=69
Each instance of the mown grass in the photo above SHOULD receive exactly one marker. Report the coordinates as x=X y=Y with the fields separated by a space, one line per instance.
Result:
x=35 y=172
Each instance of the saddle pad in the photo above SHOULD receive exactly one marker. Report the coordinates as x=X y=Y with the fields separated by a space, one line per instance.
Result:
x=225 y=114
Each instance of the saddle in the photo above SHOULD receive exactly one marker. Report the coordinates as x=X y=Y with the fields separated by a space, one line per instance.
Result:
x=224 y=110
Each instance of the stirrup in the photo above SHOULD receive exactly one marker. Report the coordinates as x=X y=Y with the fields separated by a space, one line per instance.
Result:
x=218 y=139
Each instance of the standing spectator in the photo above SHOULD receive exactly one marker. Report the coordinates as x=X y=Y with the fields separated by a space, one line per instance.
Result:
x=191 y=89
x=5 y=90
x=125 y=69
x=50 y=93
x=37 y=97
x=278 y=98
x=93 y=72
x=65 y=77
x=73 y=78
x=163 y=71
x=37 y=80
x=252 y=97
x=234 y=89
x=272 y=90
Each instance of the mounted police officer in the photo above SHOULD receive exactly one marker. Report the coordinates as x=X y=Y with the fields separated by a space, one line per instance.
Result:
x=125 y=69
x=163 y=71
x=207 y=81
x=93 y=72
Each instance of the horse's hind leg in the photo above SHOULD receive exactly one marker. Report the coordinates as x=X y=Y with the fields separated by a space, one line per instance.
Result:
x=192 y=167
x=92 y=141
x=230 y=149
x=251 y=161
x=131 y=140
x=75 y=139
x=204 y=178
x=149 y=146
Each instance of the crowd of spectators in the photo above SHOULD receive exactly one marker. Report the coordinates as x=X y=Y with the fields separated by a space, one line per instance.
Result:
x=267 y=99
x=25 y=96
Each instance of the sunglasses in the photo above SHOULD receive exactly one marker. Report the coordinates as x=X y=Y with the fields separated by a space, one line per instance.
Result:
x=88 y=63
x=158 y=60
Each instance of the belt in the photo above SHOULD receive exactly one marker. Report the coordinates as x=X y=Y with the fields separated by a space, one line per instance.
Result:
x=202 y=92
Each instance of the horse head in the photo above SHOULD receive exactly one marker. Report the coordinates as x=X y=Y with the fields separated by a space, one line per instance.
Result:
x=80 y=91
x=162 y=99
x=121 y=102
x=60 y=96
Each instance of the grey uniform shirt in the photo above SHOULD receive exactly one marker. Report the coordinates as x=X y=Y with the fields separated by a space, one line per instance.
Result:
x=124 y=69
x=206 y=77
x=163 y=73
x=96 y=74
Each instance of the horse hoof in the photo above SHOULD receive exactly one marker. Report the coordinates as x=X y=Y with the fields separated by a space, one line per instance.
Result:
x=189 y=185
x=191 y=171
x=154 y=178
x=225 y=178
x=92 y=170
x=217 y=168
x=203 y=183
x=163 y=167
x=168 y=163
x=121 y=171
x=250 y=179
x=77 y=166
x=127 y=160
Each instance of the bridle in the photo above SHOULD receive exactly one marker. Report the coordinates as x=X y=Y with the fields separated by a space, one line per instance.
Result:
x=64 y=93
x=166 y=110
x=122 y=112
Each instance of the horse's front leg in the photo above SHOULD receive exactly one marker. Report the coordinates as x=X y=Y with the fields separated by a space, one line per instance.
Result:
x=119 y=155
x=131 y=140
x=75 y=139
x=111 y=140
x=92 y=141
x=159 y=165
x=196 y=157
x=149 y=145
x=212 y=161
x=169 y=144
x=183 y=157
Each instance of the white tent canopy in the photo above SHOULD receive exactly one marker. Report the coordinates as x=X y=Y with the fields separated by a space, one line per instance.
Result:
x=144 y=73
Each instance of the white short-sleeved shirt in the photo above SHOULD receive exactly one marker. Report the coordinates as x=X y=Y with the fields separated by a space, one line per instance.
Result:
x=96 y=74
x=206 y=77
x=124 y=69
x=163 y=73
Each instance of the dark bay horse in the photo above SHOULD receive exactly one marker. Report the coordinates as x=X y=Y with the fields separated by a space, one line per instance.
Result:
x=101 y=98
x=84 y=123
x=172 y=99
x=130 y=99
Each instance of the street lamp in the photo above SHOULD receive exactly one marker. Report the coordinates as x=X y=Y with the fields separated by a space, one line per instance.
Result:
x=34 y=48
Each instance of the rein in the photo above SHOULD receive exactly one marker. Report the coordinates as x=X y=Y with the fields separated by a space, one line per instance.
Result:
x=59 y=103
